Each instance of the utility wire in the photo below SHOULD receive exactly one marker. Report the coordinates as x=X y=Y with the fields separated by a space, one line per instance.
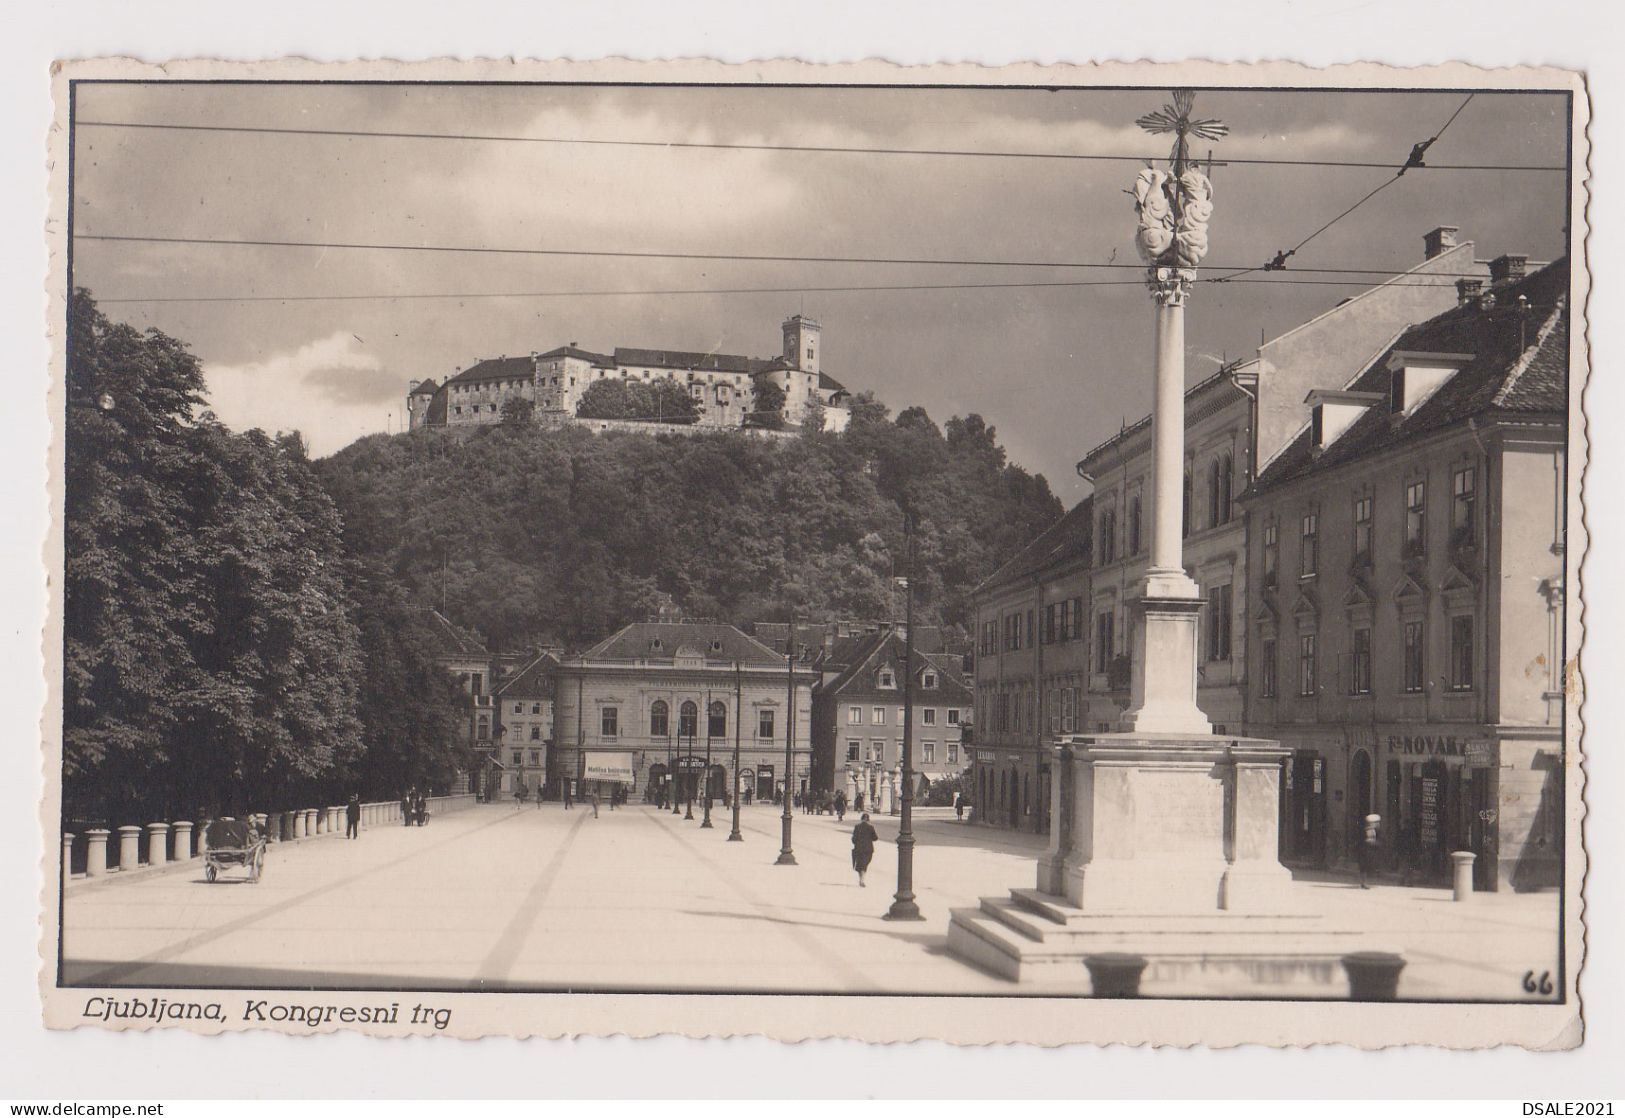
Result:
x=1278 y=263
x=805 y=148
x=640 y=255
x=404 y=295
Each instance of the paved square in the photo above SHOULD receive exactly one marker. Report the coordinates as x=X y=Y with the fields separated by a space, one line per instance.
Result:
x=639 y=899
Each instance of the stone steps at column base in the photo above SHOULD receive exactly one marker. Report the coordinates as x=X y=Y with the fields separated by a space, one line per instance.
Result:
x=1187 y=956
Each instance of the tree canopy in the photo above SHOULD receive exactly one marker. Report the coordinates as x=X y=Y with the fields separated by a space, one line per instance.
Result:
x=562 y=535
x=662 y=399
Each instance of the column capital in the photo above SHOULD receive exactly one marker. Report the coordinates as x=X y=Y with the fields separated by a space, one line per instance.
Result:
x=1170 y=287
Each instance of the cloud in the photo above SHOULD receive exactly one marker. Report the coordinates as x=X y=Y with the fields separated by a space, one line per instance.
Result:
x=330 y=389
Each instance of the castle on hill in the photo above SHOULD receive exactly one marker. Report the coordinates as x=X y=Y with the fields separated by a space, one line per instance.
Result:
x=723 y=386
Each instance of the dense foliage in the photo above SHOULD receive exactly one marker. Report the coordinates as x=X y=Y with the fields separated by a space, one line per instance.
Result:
x=212 y=655
x=662 y=400
x=563 y=535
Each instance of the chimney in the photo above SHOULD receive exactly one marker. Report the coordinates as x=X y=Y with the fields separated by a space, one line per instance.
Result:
x=1507 y=268
x=1467 y=291
x=1440 y=239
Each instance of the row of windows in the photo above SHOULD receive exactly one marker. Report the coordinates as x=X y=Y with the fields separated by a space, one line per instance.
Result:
x=1063 y=622
x=1413 y=671
x=688 y=717
x=1463 y=526
x=876 y=753
x=535 y=758
x=535 y=708
x=877 y=716
x=886 y=680
x=1221 y=509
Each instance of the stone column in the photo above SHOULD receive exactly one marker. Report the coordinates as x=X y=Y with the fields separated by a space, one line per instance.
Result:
x=67 y=857
x=157 y=843
x=309 y=817
x=95 y=852
x=273 y=826
x=129 y=847
x=181 y=841
x=1163 y=641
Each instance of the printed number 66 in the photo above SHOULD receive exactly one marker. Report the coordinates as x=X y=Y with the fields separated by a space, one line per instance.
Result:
x=1541 y=986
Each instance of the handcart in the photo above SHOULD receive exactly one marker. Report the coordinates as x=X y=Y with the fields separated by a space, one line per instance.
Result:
x=234 y=842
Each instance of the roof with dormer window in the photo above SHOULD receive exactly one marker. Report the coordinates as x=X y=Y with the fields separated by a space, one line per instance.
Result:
x=1518 y=367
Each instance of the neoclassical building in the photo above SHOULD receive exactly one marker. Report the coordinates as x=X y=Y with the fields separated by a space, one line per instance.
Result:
x=649 y=704
x=723 y=386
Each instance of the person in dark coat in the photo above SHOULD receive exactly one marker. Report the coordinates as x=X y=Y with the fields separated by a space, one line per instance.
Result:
x=352 y=817
x=407 y=803
x=864 y=837
x=569 y=800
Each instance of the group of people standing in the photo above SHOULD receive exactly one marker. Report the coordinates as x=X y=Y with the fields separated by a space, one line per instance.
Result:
x=414 y=808
x=824 y=803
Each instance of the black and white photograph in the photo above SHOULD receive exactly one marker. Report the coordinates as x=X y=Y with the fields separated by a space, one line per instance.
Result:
x=916 y=557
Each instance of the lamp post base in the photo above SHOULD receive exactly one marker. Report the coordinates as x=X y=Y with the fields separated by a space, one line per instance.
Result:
x=785 y=858
x=903 y=910
x=735 y=836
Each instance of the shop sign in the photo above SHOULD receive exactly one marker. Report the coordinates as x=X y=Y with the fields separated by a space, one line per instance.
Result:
x=1429 y=823
x=691 y=764
x=1480 y=755
x=610 y=767
x=1425 y=745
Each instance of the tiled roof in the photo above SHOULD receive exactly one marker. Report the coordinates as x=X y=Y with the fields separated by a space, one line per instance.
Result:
x=425 y=388
x=636 y=642
x=828 y=383
x=889 y=645
x=1069 y=538
x=496 y=368
x=534 y=680
x=602 y=359
x=699 y=362
x=454 y=641
x=1519 y=364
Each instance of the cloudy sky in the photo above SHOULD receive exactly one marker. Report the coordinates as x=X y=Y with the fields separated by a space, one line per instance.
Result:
x=1055 y=368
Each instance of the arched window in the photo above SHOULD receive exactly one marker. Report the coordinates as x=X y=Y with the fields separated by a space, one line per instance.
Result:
x=659 y=719
x=688 y=720
x=1134 y=525
x=716 y=725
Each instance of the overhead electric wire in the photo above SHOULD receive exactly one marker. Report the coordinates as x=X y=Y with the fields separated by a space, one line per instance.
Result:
x=805 y=290
x=1414 y=160
x=755 y=258
x=823 y=149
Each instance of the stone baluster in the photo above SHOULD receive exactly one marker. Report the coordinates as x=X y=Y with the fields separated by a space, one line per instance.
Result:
x=157 y=843
x=96 y=852
x=310 y=822
x=67 y=857
x=273 y=827
x=129 y=847
x=181 y=841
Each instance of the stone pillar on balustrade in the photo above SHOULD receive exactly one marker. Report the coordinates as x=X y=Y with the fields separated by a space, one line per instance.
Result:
x=129 y=847
x=181 y=841
x=96 y=852
x=67 y=857
x=157 y=843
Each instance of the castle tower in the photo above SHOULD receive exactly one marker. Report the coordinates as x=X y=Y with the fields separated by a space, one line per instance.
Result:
x=803 y=350
x=418 y=400
x=803 y=345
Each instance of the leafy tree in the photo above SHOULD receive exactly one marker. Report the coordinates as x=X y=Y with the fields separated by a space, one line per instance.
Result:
x=769 y=408
x=211 y=655
x=518 y=411
x=608 y=399
x=665 y=400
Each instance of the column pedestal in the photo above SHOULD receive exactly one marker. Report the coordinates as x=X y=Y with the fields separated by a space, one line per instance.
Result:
x=96 y=852
x=181 y=841
x=67 y=857
x=1162 y=692
x=157 y=843
x=129 y=847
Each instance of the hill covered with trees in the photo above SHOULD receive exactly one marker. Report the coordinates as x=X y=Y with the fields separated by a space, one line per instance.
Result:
x=534 y=536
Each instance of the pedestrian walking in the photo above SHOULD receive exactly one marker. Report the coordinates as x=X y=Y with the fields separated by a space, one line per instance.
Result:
x=1368 y=848
x=569 y=801
x=959 y=806
x=594 y=799
x=863 y=848
x=541 y=787
x=352 y=816
x=840 y=806
x=420 y=809
x=406 y=808
x=520 y=794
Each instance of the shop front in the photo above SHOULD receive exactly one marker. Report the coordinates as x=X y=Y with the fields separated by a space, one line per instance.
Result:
x=1439 y=796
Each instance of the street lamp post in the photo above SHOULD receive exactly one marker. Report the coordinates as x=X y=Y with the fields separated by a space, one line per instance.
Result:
x=903 y=906
x=671 y=757
x=705 y=823
x=739 y=705
x=787 y=855
x=688 y=793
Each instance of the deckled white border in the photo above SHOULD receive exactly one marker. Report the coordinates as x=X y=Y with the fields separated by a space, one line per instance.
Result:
x=1276 y=73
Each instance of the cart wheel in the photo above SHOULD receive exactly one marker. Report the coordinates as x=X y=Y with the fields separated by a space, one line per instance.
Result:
x=209 y=873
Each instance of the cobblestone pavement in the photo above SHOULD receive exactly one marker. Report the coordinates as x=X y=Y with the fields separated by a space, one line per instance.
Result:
x=548 y=899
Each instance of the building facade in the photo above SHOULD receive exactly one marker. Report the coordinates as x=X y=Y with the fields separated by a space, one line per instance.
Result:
x=1053 y=624
x=1407 y=599
x=722 y=386
x=859 y=718
x=522 y=704
x=662 y=705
